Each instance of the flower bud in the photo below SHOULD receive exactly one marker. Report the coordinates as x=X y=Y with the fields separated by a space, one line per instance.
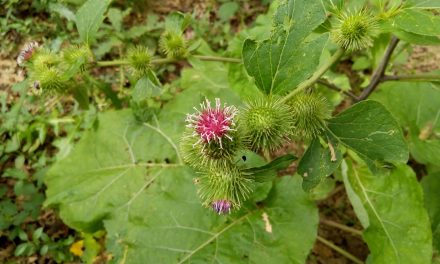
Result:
x=355 y=31
x=201 y=155
x=139 y=59
x=266 y=123
x=224 y=188
x=212 y=123
x=49 y=80
x=222 y=206
x=173 y=45
x=27 y=52
x=309 y=111
x=42 y=60
x=211 y=137
x=73 y=54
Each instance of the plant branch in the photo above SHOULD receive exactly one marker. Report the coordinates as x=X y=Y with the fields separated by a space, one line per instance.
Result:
x=341 y=227
x=168 y=60
x=410 y=78
x=339 y=250
x=380 y=70
x=215 y=58
x=336 y=88
x=111 y=63
x=312 y=80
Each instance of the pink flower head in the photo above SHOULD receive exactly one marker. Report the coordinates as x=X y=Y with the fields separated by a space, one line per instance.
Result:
x=212 y=123
x=26 y=52
x=222 y=206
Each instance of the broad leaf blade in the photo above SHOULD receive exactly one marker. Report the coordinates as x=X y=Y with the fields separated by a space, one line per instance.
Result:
x=372 y=132
x=127 y=177
x=173 y=228
x=89 y=18
x=431 y=187
x=418 y=22
x=425 y=4
x=268 y=171
x=318 y=162
x=288 y=57
x=145 y=88
x=416 y=107
x=399 y=228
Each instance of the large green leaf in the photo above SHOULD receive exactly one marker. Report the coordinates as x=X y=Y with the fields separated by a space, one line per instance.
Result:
x=416 y=107
x=431 y=187
x=318 y=162
x=398 y=229
x=128 y=178
x=372 y=132
x=425 y=4
x=290 y=55
x=89 y=18
x=167 y=225
x=418 y=22
x=239 y=80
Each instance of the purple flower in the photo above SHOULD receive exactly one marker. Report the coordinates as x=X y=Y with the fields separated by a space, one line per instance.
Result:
x=26 y=52
x=212 y=124
x=222 y=206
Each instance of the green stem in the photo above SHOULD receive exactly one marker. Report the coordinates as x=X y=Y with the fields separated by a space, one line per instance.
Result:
x=339 y=250
x=215 y=58
x=163 y=60
x=111 y=63
x=411 y=78
x=315 y=77
x=168 y=60
x=342 y=227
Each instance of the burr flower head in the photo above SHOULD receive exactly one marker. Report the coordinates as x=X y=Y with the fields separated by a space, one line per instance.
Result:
x=355 y=30
x=266 y=123
x=173 y=44
x=222 y=206
x=26 y=52
x=309 y=112
x=212 y=123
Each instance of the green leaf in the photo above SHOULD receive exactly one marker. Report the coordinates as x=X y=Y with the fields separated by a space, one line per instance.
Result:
x=207 y=75
x=372 y=132
x=177 y=22
x=418 y=22
x=265 y=173
x=416 y=38
x=290 y=55
x=115 y=16
x=63 y=11
x=398 y=229
x=227 y=10
x=89 y=18
x=145 y=88
x=425 y=4
x=323 y=189
x=319 y=162
x=183 y=232
x=37 y=234
x=431 y=186
x=81 y=95
x=416 y=107
x=128 y=178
